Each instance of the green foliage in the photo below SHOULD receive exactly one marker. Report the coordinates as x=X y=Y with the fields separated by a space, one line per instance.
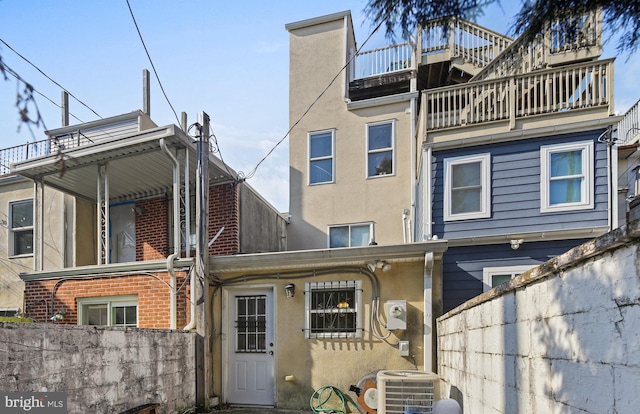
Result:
x=15 y=319
x=402 y=16
x=405 y=15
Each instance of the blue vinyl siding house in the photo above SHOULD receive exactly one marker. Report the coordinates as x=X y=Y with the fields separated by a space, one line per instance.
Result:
x=516 y=206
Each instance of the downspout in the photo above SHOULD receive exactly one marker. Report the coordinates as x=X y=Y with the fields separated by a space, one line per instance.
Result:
x=176 y=234
x=427 y=313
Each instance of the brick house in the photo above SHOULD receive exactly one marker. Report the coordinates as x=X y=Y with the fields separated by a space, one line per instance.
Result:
x=124 y=254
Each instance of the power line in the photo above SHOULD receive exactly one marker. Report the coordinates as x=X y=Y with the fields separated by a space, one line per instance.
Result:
x=151 y=61
x=253 y=171
x=12 y=73
x=48 y=77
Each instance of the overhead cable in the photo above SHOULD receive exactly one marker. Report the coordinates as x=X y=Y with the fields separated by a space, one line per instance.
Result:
x=48 y=77
x=253 y=171
x=151 y=62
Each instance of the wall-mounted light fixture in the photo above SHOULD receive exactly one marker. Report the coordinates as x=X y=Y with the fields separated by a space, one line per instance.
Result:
x=290 y=289
x=59 y=315
x=379 y=264
x=515 y=243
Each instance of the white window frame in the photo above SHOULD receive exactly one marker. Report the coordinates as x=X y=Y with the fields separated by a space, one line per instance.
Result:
x=485 y=187
x=586 y=188
x=9 y=312
x=489 y=272
x=392 y=148
x=111 y=302
x=12 y=230
x=309 y=287
x=331 y=157
x=350 y=225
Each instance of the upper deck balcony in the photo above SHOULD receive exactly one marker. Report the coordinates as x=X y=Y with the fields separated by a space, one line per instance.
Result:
x=448 y=52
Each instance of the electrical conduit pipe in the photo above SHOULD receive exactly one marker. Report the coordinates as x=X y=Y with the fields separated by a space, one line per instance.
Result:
x=176 y=234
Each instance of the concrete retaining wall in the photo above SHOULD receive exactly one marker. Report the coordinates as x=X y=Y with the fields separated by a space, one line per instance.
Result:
x=102 y=369
x=564 y=337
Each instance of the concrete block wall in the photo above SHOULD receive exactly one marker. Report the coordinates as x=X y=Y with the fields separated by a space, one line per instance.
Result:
x=102 y=369
x=45 y=297
x=564 y=337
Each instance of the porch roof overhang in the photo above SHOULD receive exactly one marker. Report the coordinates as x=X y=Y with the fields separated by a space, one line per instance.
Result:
x=113 y=269
x=137 y=166
x=324 y=258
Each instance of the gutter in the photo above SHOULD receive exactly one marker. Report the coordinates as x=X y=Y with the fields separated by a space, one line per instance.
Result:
x=176 y=234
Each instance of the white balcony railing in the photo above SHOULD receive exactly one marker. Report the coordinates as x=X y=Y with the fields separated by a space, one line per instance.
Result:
x=24 y=152
x=629 y=127
x=383 y=60
x=466 y=40
x=553 y=90
x=522 y=58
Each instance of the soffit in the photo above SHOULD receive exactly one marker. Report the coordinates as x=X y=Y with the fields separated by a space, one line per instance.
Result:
x=136 y=166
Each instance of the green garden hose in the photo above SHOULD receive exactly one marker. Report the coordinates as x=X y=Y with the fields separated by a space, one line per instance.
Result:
x=330 y=399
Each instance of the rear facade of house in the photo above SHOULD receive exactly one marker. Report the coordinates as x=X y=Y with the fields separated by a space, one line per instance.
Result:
x=103 y=223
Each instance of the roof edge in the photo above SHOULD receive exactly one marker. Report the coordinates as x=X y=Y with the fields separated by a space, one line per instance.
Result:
x=317 y=20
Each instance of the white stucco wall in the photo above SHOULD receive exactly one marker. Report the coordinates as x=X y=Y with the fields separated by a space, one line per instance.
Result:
x=11 y=286
x=563 y=338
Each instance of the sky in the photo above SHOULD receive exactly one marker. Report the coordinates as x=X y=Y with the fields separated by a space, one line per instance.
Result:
x=229 y=59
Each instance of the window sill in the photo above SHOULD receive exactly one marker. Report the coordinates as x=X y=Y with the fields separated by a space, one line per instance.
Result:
x=21 y=256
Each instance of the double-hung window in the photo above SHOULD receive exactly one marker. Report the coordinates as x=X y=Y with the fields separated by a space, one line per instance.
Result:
x=333 y=309
x=351 y=235
x=467 y=187
x=109 y=311
x=321 y=155
x=21 y=227
x=566 y=176
x=495 y=276
x=380 y=149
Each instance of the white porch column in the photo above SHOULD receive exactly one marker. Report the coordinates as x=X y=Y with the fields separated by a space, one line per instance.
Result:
x=428 y=313
x=102 y=208
x=38 y=225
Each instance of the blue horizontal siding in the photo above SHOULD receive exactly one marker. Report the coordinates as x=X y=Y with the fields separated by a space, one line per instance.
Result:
x=515 y=190
x=462 y=266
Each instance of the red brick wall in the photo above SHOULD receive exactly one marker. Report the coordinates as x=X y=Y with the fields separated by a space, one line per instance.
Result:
x=153 y=297
x=152 y=229
x=152 y=243
x=223 y=211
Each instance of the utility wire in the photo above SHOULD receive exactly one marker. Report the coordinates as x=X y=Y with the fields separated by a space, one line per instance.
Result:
x=12 y=73
x=151 y=61
x=253 y=171
x=48 y=77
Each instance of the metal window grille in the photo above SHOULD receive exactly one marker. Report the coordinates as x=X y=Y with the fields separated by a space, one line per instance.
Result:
x=251 y=325
x=333 y=309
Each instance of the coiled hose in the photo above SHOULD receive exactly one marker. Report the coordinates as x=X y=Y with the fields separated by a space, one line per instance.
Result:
x=330 y=399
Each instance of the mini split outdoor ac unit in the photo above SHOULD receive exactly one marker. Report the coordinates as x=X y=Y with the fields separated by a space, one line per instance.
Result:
x=407 y=392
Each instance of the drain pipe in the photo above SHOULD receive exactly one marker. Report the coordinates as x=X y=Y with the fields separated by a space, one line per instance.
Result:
x=192 y=294
x=176 y=234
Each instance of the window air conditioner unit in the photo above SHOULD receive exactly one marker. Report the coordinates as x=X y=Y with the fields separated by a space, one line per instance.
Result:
x=407 y=392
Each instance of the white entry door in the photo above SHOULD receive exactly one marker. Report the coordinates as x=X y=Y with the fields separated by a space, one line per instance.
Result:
x=251 y=348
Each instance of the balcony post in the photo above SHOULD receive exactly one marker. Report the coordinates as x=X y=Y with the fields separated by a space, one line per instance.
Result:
x=512 y=103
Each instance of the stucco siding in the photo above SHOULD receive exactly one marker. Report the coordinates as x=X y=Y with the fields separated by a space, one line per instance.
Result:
x=350 y=196
x=262 y=228
x=462 y=266
x=515 y=190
